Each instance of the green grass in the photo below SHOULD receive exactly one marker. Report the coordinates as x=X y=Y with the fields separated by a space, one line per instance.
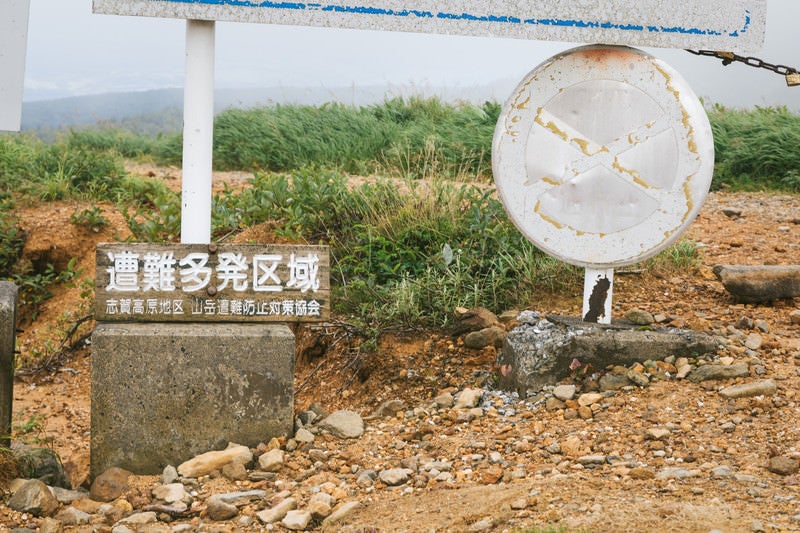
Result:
x=423 y=235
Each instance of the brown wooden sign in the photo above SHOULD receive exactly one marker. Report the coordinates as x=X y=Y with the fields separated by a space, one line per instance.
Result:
x=142 y=282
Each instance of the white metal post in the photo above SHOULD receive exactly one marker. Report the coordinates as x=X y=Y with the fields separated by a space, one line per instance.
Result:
x=598 y=288
x=198 y=132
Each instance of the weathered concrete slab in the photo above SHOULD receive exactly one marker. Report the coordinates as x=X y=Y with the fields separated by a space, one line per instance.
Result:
x=733 y=25
x=761 y=283
x=537 y=354
x=163 y=393
x=8 y=331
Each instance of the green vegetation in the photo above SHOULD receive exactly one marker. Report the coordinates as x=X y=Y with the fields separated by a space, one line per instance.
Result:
x=422 y=234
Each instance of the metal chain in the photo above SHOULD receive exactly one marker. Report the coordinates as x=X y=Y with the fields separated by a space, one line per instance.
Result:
x=790 y=73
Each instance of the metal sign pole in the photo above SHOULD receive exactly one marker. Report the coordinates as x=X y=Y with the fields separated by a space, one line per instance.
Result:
x=198 y=132
x=598 y=288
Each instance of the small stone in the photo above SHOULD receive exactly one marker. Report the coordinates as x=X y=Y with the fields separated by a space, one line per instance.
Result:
x=676 y=473
x=70 y=516
x=217 y=509
x=174 y=492
x=641 y=473
x=34 y=497
x=277 y=512
x=589 y=398
x=613 y=382
x=468 y=398
x=139 y=519
x=296 y=520
x=592 y=459
x=639 y=317
x=52 y=525
x=271 y=461
x=303 y=436
x=753 y=341
x=637 y=378
x=234 y=471
x=169 y=475
x=473 y=319
x=794 y=317
x=492 y=475
x=208 y=462
x=714 y=372
x=320 y=505
x=553 y=404
x=342 y=512
x=394 y=476
x=762 y=326
x=765 y=387
x=783 y=465
x=564 y=392
x=110 y=485
x=444 y=400
x=519 y=504
x=343 y=424
x=585 y=412
x=491 y=336
x=722 y=471
x=657 y=433
x=732 y=212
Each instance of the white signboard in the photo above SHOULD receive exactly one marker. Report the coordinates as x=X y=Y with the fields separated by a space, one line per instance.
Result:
x=13 y=41
x=731 y=25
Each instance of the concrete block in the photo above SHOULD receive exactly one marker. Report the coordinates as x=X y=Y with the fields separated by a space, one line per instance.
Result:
x=164 y=393
x=8 y=331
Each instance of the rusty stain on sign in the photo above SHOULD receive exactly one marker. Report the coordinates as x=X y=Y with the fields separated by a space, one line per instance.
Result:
x=609 y=158
x=736 y=25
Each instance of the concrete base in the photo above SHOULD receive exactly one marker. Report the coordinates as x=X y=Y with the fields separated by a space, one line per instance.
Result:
x=8 y=332
x=163 y=393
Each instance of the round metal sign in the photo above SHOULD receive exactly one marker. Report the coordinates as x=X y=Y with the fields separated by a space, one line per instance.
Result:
x=603 y=156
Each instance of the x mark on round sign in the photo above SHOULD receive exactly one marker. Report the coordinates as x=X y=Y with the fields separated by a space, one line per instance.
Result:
x=602 y=156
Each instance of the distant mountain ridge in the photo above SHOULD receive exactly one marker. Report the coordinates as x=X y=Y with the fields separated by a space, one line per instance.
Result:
x=162 y=109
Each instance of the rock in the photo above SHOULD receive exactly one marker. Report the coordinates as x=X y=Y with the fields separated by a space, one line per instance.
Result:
x=296 y=520
x=139 y=519
x=217 y=509
x=174 y=492
x=343 y=424
x=68 y=496
x=536 y=356
x=783 y=465
x=711 y=372
x=208 y=462
x=35 y=498
x=794 y=317
x=342 y=512
x=564 y=392
x=304 y=436
x=320 y=505
x=491 y=336
x=234 y=471
x=757 y=284
x=609 y=382
x=473 y=320
x=657 y=433
x=271 y=461
x=639 y=317
x=242 y=497
x=387 y=408
x=51 y=525
x=676 y=473
x=444 y=400
x=110 y=485
x=753 y=341
x=468 y=398
x=589 y=398
x=395 y=476
x=169 y=475
x=731 y=212
x=765 y=387
x=42 y=464
x=277 y=512
x=70 y=516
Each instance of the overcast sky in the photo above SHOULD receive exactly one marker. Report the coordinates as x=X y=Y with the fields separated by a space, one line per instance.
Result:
x=72 y=52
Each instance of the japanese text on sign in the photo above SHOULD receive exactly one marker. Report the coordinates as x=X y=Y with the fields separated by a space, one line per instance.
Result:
x=187 y=282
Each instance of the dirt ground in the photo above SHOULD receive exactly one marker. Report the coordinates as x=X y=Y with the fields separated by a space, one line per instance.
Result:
x=53 y=405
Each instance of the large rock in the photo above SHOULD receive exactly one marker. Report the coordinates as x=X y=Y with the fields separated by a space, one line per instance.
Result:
x=540 y=354
x=35 y=498
x=755 y=284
